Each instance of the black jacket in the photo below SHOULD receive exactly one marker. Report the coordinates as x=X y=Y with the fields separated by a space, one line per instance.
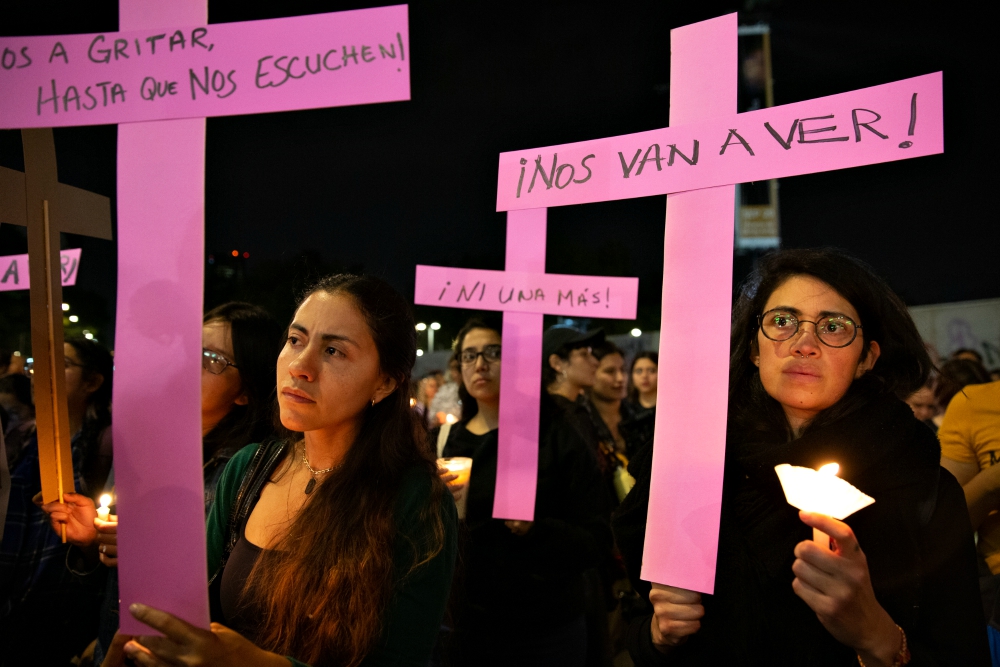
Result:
x=530 y=584
x=916 y=537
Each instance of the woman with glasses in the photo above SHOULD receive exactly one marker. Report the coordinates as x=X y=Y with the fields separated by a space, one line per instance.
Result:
x=521 y=595
x=822 y=350
x=36 y=589
x=239 y=347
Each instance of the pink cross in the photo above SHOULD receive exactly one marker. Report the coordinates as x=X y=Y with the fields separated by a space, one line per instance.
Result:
x=524 y=292
x=159 y=78
x=696 y=161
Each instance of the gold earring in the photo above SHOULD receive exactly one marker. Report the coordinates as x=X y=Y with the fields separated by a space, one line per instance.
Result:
x=373 y=402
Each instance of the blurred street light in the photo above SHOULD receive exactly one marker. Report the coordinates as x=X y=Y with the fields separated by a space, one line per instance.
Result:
x=636 y=332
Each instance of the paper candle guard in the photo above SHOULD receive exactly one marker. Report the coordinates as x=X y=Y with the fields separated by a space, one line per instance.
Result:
x=819 y=492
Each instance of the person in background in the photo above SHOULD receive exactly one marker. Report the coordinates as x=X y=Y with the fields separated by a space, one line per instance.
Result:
x=643 y=380
x=622 y=429
x=335 y=543
x=821 y=350
x=36 y=588
x=523 y=598
x=924 y=404
x=968 y=354
x=970 y=449
x=15 y=400
x=239 y=348
x=953 y=376
x=568 y=369
x=447 y=406
x=426 y=389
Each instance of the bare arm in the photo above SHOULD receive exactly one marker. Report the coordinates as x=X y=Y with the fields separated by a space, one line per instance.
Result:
x=982 y=488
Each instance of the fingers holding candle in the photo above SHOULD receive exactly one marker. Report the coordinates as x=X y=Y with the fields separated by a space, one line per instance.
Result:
x=455 y=472
x=107 y=540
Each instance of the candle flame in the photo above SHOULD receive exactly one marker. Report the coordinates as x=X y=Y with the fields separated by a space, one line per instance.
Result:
x=830 y=469
x=106 y=500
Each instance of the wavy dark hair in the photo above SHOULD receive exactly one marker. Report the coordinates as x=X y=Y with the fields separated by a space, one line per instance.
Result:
x=903 y=364
x=633 y=392
x=256 y=342
x=325 y=586
x=470 y=408
x=955 y=375
x=95 y=360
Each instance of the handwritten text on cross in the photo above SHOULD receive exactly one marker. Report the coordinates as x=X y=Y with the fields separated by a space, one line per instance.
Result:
x=879 y=124
x=547 y=293
x=14 y=270
x=225 y=69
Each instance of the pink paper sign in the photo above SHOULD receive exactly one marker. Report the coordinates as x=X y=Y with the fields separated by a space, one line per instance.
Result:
x=524 y=292
x=14 y=270
x=517 y=291
x=890 y=122
x=193 y=70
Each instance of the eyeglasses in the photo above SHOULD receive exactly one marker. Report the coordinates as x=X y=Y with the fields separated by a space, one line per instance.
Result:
x=490 y=354
x=214 y=363
x=833 y=330
x=29 y=366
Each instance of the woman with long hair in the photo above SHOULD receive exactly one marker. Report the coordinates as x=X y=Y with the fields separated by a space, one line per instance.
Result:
x=522 y=601
x=642 y=379
x=335 y=544
x=822 y=350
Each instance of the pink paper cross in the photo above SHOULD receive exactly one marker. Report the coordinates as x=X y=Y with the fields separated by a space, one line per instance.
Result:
x=160 y=77
x=524 y=292
x=696 y=161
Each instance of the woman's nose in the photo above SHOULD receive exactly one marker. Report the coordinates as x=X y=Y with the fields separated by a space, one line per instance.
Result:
x=301 y=367
x=805 y=342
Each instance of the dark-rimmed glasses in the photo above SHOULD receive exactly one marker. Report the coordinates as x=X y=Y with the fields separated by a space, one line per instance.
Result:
x=835 y=330
x=490 y=354
x=214 y=363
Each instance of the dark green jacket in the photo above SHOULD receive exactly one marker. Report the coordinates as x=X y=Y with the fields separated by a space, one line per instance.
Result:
x=414 y=615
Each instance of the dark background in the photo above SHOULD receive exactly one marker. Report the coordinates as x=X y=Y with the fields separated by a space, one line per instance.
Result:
x=381 y=188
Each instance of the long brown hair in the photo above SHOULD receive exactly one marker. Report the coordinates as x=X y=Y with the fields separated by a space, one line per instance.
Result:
x=325 y=586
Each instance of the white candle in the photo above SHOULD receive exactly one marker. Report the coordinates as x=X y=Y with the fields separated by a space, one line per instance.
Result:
x=104 y=511
x=822 y=492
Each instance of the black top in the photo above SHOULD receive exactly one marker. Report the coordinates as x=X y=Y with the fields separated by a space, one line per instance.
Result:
x=531 y=584
x=240 y=616
x=916 y=538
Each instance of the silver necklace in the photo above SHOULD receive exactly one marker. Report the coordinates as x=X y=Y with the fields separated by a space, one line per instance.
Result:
x=312 y=482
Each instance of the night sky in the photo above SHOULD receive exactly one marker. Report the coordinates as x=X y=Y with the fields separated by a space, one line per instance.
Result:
x=384 y=187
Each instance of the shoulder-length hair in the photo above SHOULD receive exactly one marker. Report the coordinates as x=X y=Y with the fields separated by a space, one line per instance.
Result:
x=469 y=405
x=633 y=391
x=256 y=342
x=903 y=364
x=325 y=587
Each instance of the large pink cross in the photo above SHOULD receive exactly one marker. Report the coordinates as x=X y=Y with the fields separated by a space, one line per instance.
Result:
x=159 y=77
x=524 y=293
x=696 y=162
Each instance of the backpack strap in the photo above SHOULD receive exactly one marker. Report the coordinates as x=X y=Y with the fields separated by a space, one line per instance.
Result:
x=259 y=470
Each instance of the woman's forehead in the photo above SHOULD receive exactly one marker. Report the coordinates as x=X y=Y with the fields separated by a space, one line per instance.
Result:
x=810 y=296
x=479 y=337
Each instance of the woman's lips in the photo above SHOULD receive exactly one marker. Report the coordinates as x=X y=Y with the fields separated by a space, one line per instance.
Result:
x=802 y=372
x=296 y=396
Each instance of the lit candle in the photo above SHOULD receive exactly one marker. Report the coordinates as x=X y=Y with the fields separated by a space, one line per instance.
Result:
x=822 y=492
x=104 y=511
x=461 y=466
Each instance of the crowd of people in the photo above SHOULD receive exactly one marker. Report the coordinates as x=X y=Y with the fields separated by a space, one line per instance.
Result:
x=333 y=526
